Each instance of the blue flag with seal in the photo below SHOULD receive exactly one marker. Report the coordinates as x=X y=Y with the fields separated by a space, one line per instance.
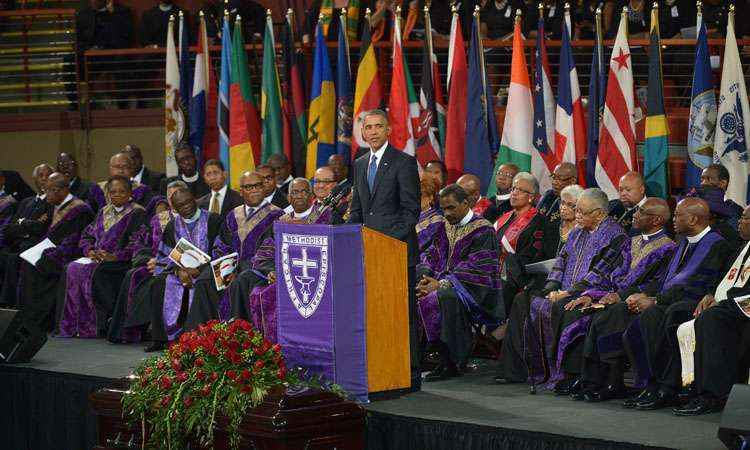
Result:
x=702 y=122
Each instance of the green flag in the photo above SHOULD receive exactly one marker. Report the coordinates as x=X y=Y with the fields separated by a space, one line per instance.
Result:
x=270 y=98
x=656 y=150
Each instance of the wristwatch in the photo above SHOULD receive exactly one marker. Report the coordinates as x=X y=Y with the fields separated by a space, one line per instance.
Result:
x=444 y=284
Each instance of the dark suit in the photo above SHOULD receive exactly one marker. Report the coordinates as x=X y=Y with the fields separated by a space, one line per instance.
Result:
x=623 y=216
x=393 y=208
x=496 y=209
x=152 y=179
x=394 y=205
x=279 y=199
x=284 y=188
x=232 y=199
x=199 y=188
x=15 y=186
x=84 y=190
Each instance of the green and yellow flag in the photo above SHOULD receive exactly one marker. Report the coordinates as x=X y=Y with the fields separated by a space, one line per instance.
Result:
x=656 y=149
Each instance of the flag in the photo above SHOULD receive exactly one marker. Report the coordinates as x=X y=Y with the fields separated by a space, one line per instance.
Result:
x=321 y=134
x=597 y=87
x=352 y=19
x=570 y=124
x=325 y=17
x=174 y=124
x=244 y=121
x=702 y=122
x=426 y=132
x=343 y=92
x=617 y=141
x=543 y=158
x=656 y=148
x=730 y=145
x=270 y=103
x=518 y=132
x=399 y=116
x=225 y=79
x=455 y=126
x=185 y=81
x=294 y=98
x=480 y=146
x=203 y=134
x=368 y=93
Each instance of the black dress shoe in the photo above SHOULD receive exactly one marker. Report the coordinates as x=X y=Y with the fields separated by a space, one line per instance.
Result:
x=442 y=372
x=632 y=401
x=155 y=346
x=610 y=392
x=656 y=400
x=698 y=406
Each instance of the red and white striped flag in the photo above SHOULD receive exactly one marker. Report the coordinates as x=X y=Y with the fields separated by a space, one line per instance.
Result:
x=617 y=141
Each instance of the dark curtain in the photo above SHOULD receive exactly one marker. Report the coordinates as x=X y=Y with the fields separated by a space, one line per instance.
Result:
x=42 y=410
x=391 y=432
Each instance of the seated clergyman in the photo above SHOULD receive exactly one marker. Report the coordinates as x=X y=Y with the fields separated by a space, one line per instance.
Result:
x=459 y=283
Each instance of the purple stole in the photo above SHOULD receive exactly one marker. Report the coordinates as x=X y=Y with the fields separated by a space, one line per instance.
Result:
x=675 y=277
x=445 y=259
x=79 y=314
x=581 y=247
x=427 y=225
x=198 y=236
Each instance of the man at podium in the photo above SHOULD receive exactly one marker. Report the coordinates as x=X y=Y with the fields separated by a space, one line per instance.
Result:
x=386 y=198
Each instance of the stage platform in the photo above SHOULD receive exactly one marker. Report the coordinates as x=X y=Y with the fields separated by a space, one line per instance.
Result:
x=44 y=407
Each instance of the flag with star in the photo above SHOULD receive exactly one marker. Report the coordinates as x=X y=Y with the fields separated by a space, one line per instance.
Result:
x=617 y=141
x=543 y=159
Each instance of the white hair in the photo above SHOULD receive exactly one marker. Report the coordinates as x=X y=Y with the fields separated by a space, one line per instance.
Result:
x=529 y=178
x=597 y=197
x=572 y=190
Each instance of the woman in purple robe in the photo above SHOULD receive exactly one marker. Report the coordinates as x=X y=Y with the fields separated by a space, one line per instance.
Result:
x=430 y=218
x=108 y=245
x=592 y=252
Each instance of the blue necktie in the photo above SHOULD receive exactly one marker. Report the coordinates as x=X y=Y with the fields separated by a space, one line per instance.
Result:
x=371 y=171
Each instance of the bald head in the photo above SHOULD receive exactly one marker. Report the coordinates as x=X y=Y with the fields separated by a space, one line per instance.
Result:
x=58 y=188
x=651 y=216
x=120 y=164
x=691 y=216
x=632 y=189
x=563 y=176
x=252 y=188
x=325 y=180
x=470 y=183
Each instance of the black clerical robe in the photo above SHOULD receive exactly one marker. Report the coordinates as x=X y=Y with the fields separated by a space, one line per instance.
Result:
x=240 y=233
x=651 y=339
x=39 y=283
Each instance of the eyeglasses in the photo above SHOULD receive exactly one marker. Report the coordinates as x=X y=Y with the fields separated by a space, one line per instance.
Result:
x=570 y=205
x=518 y=189
x=505 y=175
x=250 y=187
x=295 y=193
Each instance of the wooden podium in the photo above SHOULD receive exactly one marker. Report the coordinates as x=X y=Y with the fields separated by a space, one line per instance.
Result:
x=342 y=305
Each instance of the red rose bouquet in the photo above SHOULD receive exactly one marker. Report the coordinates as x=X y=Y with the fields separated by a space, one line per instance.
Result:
x=221 y=368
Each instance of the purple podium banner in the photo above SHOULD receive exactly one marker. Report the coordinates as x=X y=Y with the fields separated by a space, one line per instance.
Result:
x=321 y=302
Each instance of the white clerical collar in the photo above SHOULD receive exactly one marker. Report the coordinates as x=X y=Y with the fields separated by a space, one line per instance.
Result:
x=502 y=197
x=222 y=192
x=379 y=153
x=195 y=217
x=288 y=179
x=695 y=239
x=269 y=199
x=469 y=215
x=41 y=197
x=118 y=209
x=302 y=215
x=68 y=198
x=139 y=176
x=639 y=204
x=646 y=237
x=192 y=179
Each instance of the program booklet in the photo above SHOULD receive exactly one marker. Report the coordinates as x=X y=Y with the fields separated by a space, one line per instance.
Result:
x=222 y=268
x=187 y=255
